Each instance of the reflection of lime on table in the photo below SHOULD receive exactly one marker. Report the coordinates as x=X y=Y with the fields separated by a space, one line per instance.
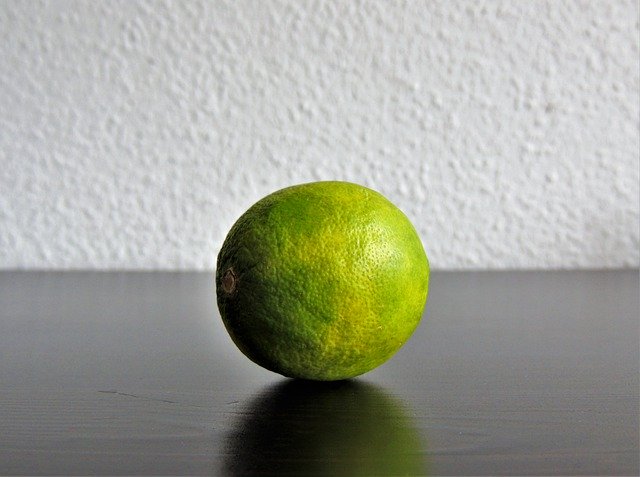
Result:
x=322 y=281
x=347 y=428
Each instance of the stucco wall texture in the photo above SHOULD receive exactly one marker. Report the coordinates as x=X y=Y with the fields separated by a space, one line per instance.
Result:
x=134 y=133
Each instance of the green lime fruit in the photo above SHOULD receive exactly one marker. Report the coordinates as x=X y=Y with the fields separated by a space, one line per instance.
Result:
x=322 y=281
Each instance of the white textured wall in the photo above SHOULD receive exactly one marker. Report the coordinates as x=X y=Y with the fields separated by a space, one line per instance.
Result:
x=133 y=133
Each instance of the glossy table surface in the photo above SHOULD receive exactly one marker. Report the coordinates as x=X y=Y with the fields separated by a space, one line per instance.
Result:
x=509 y=373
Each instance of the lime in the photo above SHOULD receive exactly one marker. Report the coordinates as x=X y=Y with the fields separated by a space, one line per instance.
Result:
x=322 y=281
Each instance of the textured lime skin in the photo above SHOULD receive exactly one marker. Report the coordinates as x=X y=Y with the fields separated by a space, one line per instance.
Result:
x=322 y=281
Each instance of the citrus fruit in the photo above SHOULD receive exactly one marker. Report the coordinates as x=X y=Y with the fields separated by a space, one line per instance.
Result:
x=322 y=281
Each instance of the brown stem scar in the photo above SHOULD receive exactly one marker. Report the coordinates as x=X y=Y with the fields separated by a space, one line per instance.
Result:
x=229 y=281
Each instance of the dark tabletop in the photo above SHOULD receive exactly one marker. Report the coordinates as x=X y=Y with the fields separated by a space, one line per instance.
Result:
x=133 y=373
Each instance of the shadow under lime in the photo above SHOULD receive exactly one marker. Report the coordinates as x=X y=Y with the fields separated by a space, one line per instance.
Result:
x=342 y=428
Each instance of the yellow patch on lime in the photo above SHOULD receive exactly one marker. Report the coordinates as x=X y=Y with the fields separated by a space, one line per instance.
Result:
x=322 y=281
